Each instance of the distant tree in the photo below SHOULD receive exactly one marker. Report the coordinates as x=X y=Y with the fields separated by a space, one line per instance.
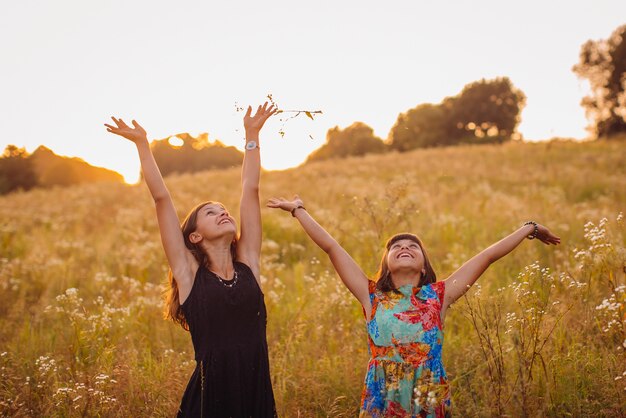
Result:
x=55 y=170
x=485 y=111
x=193 y=154
x=59 y=173
x=603 y=63
x=16 y=170
x=356 y=139
x=421 y=127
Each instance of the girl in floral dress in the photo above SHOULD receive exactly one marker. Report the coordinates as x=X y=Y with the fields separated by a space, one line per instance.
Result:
x=404 y=309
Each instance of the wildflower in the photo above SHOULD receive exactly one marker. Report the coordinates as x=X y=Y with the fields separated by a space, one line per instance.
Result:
x=72 y=291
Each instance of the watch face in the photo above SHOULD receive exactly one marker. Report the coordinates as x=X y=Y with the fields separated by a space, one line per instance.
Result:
x=250 y=145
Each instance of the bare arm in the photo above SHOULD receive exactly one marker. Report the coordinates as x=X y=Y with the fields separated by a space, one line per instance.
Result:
x=349 y=271
x=249 y=246
x=181 y=261
x=462 y=279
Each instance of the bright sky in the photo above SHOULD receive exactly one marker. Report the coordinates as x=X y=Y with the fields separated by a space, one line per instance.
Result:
x=67 y=65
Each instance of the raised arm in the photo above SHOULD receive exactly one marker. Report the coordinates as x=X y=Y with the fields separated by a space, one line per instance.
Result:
x=249 y=246
x=349 y=271
x=181 y=261
x=462 y=279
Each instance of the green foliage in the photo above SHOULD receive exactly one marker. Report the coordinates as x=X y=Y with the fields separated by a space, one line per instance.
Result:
x=486 y=111
x=193 y=154
x=357 y=139
x=420 y=127
x=603 y=64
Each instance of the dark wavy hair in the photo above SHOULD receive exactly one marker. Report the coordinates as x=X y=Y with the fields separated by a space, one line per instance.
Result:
x=173 y=309
x=383 y=276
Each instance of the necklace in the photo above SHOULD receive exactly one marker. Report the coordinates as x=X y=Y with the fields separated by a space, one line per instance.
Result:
x=227 y=283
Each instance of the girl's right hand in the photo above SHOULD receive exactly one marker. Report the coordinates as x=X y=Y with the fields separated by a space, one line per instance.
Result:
x=284 y=204
x=253 y=124
x=136 y=134
x=546 y=236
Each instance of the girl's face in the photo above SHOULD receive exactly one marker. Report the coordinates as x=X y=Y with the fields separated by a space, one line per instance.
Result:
x=405 y=254
x=214 y=221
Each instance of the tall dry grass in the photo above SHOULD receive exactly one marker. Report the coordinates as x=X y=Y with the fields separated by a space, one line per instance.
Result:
x=543 y=333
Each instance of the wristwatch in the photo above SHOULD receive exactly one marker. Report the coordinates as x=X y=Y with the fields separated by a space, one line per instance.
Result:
x=250 y=145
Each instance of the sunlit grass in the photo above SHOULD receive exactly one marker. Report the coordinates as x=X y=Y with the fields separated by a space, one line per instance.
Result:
x=81 y=275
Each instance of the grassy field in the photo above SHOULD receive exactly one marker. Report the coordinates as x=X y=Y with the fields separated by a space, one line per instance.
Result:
x=543 y=333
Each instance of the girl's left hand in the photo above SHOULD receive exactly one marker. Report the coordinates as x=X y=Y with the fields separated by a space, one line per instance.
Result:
x=284 y=204
x=255 y=123
x=544 y=235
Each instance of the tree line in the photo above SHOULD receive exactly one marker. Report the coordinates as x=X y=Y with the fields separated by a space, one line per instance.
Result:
x=484 y=112
x=184 y=153
x=488 y=111
x=181 y=153
x=20 y=170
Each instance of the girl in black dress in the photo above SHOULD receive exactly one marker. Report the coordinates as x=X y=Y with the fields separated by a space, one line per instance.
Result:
x=214 y=285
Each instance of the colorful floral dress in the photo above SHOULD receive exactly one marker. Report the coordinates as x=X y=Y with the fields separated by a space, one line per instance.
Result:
x=405 y=376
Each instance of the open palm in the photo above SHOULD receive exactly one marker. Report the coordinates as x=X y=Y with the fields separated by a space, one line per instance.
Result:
x=284 y=204
x=256 y=122
x=135 y=134
x=546 y=236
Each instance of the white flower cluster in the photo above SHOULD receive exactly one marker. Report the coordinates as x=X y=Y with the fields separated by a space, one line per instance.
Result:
x=77 y=395
x=70 y=303
x=9 y=269
x=46 y=364
x=612 y=309
x=99 y=317
x=597 y=235
x=511 y=319
x=569 y=282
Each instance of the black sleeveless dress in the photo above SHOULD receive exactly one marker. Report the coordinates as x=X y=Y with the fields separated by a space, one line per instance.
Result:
x=227 y=326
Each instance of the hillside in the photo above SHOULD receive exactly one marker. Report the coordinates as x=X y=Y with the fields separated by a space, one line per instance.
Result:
x=55 y=170
x=543 y=333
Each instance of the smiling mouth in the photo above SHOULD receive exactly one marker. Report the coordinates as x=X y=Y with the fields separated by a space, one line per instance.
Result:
x=405 y=255
x=224 y=221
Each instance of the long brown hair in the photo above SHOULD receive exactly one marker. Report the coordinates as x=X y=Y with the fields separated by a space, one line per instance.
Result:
x=383 y=276
x=173 y=309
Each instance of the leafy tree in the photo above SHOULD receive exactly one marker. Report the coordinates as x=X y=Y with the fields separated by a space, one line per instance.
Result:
x=16 y=170
x=356 y=139
x=485 y=111
x=603 y=63
x=193 y=154
x=421 y=127
x=55 y=170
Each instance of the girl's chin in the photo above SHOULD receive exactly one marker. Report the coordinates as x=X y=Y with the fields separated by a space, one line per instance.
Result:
x=405 y=267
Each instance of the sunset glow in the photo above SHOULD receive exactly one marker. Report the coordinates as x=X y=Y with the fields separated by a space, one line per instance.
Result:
x=187 y=67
